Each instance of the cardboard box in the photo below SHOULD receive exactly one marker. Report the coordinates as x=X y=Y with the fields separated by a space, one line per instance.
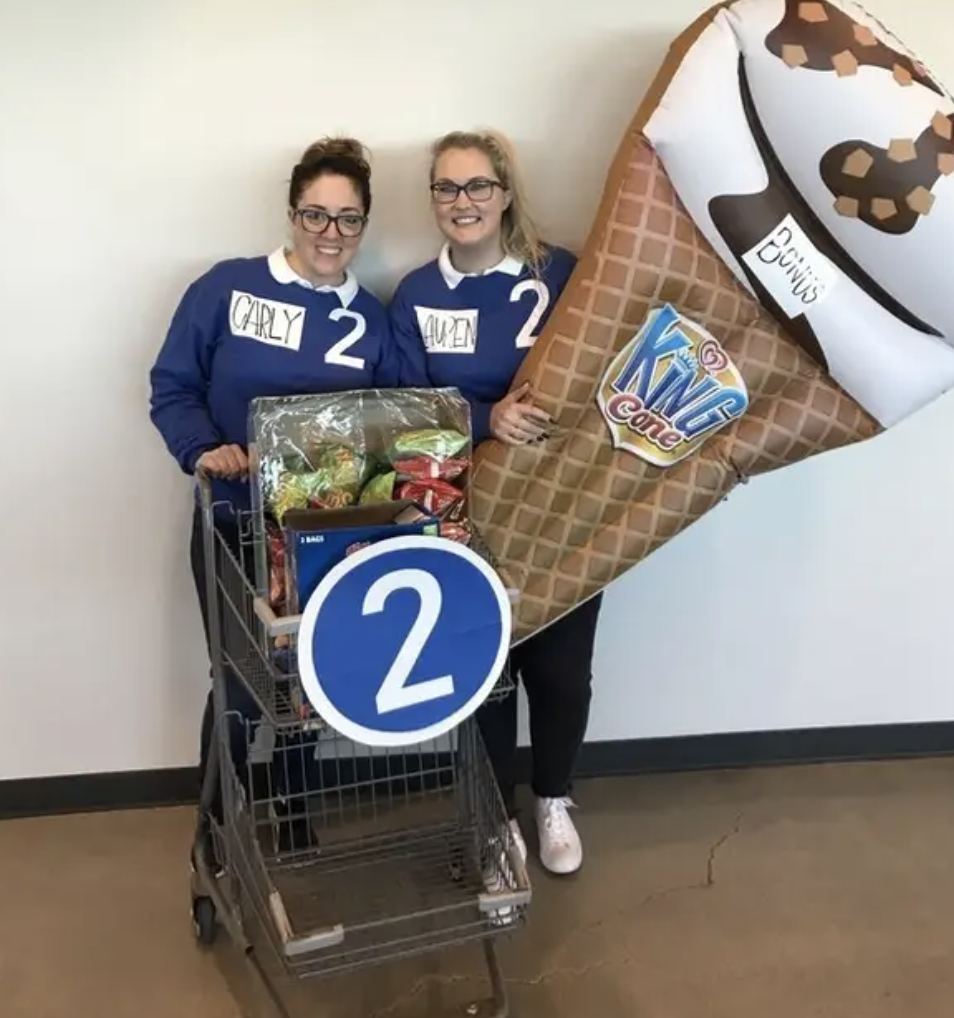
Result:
x=316 y=540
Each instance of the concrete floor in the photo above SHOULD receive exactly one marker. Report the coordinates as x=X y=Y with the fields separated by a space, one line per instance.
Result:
x=816 y=891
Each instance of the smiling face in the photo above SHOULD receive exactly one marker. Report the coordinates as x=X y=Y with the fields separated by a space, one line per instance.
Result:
x=328 y=224
x=470 y=219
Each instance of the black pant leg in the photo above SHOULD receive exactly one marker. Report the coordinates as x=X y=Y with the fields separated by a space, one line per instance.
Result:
x=556 y=668
x=497 y=721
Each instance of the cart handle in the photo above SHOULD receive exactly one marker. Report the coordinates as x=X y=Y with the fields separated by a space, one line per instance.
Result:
x=204 y=484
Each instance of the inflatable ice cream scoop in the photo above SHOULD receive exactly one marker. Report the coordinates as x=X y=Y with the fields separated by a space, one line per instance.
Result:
x=768 y=277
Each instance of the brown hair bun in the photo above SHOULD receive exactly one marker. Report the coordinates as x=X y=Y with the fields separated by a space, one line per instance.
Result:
x=337 y=148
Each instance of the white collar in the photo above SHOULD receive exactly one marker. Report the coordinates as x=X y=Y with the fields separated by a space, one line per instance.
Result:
x=452 y=277
x=282 y=272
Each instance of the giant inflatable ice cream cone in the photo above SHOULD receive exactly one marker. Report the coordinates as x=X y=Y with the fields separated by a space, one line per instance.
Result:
x=768 y=276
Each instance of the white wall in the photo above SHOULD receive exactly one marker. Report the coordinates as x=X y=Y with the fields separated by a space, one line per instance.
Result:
x=141 y=140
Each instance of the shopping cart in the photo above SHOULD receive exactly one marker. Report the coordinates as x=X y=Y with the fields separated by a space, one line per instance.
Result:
x=328 y=856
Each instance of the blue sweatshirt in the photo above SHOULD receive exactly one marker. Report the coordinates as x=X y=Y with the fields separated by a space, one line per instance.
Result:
x=252 y=327
x=472 y=332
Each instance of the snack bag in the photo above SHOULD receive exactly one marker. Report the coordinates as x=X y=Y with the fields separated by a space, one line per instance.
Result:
x=417 y=468
x=379 y=489
x=437 y=443
x=275 y=541
x=434 y=495
x=328 y=475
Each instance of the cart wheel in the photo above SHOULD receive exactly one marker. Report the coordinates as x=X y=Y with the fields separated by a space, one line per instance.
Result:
x=203 y=919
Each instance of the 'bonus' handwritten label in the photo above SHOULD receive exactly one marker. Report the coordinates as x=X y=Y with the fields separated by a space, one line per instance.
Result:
x=791 y=268
x=445 y=331
x=268 y=321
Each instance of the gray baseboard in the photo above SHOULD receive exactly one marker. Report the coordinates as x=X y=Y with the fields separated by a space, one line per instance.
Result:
x=157 y=788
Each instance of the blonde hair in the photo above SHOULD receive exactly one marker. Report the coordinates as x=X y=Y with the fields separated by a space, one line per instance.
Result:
x=519 y=232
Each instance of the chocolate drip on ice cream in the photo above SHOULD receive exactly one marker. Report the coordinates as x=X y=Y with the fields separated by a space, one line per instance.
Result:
x=744 y=220
x=889 y=189
x=818 y=36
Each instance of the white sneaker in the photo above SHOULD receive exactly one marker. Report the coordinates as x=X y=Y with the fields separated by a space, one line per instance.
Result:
x=561 y=850
x=495 y=874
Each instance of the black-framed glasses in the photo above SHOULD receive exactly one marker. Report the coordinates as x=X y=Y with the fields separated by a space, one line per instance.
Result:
x=479 y=189
x=349 y=224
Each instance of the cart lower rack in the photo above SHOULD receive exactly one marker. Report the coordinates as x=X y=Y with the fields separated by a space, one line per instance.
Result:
x=329 y=856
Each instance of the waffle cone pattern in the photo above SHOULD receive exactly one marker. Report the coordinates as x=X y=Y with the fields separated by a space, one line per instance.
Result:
x=566 y=517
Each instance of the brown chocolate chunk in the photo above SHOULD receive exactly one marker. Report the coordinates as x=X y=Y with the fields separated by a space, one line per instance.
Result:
x=845 y=64
x=920 y=200
x=812 y=12
x=847 y=207
x=902 y=75
x=858 y=163
x=821 y=37
x=864 y=36
x=794 y=56
x=902 y=150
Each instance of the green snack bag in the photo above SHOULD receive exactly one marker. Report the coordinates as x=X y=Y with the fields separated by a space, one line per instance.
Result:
x=439 y=444
x=343 y=466
x=290 y=492
x=379 y=489
x=327 y=475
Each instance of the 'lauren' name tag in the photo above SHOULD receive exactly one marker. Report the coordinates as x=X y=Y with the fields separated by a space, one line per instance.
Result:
x=448 y=331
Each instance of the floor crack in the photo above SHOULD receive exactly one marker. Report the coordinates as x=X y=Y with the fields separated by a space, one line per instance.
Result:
x=704 y=884
x=551 y=973
x=714 y=850
x=418 y=987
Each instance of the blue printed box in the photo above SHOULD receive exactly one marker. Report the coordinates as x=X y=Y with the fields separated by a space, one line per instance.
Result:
x=316 y=540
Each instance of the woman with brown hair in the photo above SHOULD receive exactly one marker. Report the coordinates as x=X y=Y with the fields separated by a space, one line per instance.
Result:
x=294 y=321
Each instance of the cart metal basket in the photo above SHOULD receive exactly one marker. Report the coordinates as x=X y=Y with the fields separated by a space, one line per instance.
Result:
x=339 y=856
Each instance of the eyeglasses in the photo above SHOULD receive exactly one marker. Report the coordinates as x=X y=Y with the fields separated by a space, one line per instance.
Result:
x=480 y=189
x=349 y=224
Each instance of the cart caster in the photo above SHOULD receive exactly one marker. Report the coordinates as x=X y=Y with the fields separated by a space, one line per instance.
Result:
x=204 y=920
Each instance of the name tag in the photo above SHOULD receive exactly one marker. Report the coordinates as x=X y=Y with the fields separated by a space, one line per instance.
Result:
x=448 y=331
x=791 y=268
x=267 y=321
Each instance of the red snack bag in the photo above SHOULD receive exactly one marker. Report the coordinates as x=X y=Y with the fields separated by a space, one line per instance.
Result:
x=456 y=512
x=459 y=532
x=434 y=495
x=276 y=566
x=418 y=468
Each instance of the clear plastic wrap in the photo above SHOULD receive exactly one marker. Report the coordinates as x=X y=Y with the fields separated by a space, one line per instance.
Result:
x=349 y=449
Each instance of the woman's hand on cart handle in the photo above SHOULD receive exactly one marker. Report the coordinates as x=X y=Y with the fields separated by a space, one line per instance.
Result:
x=228 y=461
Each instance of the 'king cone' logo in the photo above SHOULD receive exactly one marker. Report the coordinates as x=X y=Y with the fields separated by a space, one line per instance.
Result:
x=669 y=389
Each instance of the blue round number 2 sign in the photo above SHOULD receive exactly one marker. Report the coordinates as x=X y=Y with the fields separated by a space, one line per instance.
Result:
x=403 y=640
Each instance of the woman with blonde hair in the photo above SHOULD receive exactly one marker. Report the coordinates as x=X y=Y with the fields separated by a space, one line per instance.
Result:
x=467 y=319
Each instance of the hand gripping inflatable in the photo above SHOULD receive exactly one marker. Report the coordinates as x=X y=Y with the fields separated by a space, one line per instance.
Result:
x=768 y=277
